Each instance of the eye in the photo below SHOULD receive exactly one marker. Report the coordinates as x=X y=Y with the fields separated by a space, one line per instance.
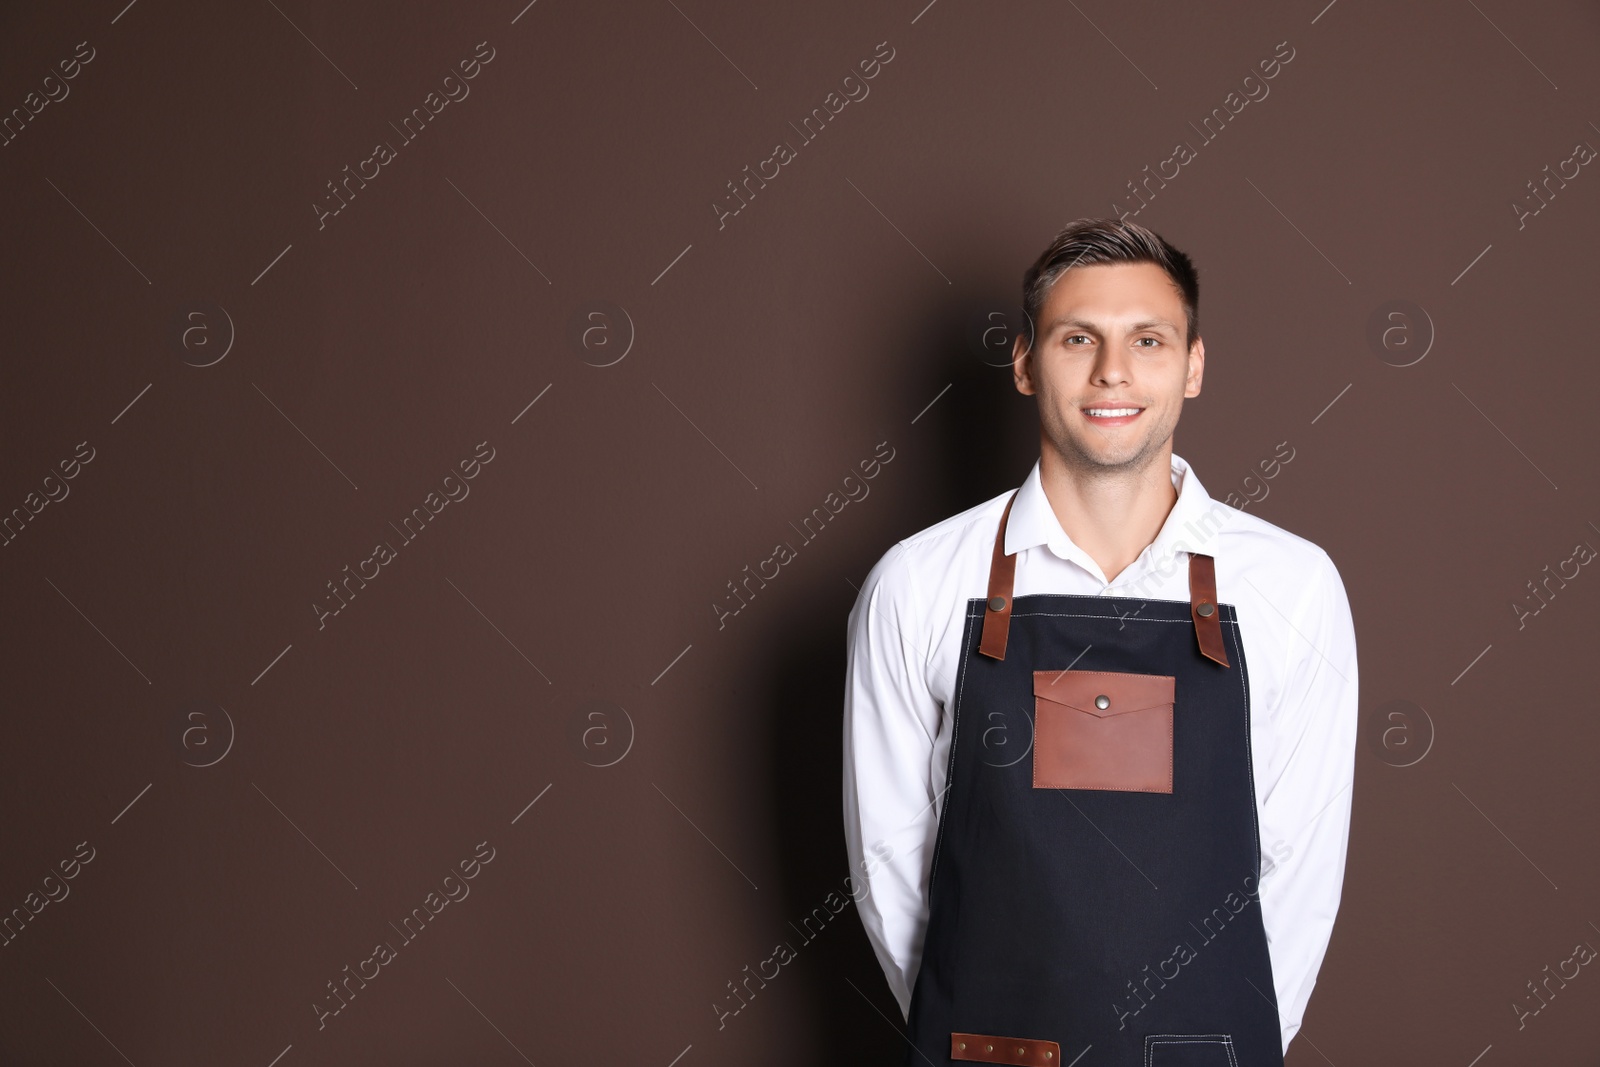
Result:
x=1154 y=340
x=1068 y=341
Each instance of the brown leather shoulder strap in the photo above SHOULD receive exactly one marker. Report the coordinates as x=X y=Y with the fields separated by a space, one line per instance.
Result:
x=1203 y=607
x=1002 y=575
x=1002 y=571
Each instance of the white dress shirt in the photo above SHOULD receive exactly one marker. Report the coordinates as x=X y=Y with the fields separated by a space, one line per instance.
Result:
x=904 y=652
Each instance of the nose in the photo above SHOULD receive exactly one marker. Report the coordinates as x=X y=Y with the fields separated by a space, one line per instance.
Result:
x=1111 y=365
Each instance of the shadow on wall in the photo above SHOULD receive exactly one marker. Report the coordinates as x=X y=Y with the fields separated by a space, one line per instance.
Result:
x=977 y=441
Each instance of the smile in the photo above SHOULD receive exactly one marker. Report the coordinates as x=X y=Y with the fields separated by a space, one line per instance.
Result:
x=1111 y=416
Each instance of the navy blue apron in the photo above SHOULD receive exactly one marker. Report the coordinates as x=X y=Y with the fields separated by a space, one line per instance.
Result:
x=1093 y=894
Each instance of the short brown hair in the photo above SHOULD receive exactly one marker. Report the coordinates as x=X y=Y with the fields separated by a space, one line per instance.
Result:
x=1085 y=242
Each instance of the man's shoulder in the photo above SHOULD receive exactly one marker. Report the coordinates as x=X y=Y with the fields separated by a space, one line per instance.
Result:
x=1254 y=534
x=935 y=550
x=1275 y=558
x=981 y=520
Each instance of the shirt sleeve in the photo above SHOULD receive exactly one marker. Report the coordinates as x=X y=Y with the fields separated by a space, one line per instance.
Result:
x=891 y=722
x=1305 y=823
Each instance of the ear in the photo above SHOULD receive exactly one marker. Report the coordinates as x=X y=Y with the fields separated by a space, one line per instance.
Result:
x=1197 y=368
x=1022 y=363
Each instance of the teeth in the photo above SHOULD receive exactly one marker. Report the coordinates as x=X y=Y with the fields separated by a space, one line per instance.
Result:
x=1111 y=413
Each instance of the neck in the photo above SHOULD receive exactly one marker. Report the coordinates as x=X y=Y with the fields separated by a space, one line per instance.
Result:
x=1113 y=514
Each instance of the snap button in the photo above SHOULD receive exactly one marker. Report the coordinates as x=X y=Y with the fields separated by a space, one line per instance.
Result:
x=1205 y=608
x=997 y=603
x=1102 y=702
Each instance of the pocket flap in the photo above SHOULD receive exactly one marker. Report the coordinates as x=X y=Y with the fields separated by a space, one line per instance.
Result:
x=1120 y=692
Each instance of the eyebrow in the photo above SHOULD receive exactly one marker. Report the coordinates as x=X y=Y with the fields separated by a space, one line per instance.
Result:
x=1085 y=324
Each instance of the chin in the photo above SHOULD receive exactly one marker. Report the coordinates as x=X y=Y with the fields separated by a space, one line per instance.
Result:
x=1098 y=455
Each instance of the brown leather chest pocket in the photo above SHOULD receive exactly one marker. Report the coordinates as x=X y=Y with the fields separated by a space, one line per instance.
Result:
x=1103 y=730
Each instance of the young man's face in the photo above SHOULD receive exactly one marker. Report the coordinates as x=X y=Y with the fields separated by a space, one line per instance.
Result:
x=1110 y=338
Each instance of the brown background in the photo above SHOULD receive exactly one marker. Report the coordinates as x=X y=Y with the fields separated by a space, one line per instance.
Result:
x=368 y=757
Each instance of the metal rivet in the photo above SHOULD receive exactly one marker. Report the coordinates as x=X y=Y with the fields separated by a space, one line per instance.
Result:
x=988 y=1048
x=997 y=603
x=963 y=1046
x=1049 y=1055
x=1022 y=1051
x=1205 y=608
x=1102 y=702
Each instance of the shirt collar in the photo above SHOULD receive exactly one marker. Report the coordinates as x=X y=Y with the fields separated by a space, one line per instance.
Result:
x=1191 y=525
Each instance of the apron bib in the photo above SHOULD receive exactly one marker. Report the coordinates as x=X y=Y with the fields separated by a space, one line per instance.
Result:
x=1093 y=890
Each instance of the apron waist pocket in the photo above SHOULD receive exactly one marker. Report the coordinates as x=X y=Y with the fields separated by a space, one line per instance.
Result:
x=1189 y=1050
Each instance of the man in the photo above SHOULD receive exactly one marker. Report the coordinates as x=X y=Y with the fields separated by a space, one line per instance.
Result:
x=1106 y=831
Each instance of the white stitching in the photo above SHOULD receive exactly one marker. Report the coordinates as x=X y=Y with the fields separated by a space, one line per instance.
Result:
x=978 y=613
x=1225 y=1040
x=1124 y=618
x=1250 y=757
